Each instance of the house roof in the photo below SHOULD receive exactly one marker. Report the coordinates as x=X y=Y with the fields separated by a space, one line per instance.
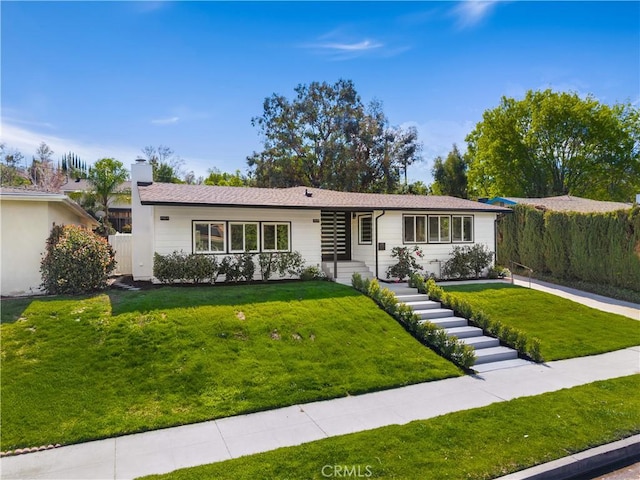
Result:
x=567 y=203
x=29 y=195
x=300 y=197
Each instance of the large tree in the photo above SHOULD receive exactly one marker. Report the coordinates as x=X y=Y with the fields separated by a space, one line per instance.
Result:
x=166 y=165
x=450 y=175
x=12 y=172
x=552 y=143
x=43 y=173
x=325 y=137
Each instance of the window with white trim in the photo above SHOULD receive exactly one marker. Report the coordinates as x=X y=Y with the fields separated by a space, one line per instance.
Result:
x=208 y=237
x=415 y=229
x=365 y=229
x=462 y=228
x=439 y=229
x=276 y=237
x=243 y=237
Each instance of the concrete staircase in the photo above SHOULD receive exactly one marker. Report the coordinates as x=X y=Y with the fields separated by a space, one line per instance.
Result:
x=346 y=269
x=490 y=355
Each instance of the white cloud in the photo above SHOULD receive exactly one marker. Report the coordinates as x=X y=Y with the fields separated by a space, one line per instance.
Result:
x=27 y=141
x=472 y=12
x=363 y=46
x=165 y=121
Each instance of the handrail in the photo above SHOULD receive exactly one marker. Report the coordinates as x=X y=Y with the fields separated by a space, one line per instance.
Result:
x=512 y=263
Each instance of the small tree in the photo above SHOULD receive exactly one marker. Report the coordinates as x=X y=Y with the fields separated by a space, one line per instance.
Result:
x=76 y=261
x=407 y=263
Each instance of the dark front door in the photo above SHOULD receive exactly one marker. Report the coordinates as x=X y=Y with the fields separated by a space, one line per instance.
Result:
x=336 y=233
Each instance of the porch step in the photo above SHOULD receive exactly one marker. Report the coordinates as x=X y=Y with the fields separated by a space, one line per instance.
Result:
x=432 y=313
x=346 y=271
x=481 y=342
x=447 y=322
x=464 y=332
x=495 y=354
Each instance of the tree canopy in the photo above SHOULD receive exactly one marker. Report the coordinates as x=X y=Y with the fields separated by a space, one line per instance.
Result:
x=325 y=137
x=554 y=143
x=450 y=175
x=106 y=177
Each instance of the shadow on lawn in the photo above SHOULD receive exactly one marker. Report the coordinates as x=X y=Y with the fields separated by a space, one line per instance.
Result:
x=191 y=296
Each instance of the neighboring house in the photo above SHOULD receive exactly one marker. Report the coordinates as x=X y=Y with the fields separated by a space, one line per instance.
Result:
x=563 y=203
x=119 y=210
x=324 y=226
x=27 y=217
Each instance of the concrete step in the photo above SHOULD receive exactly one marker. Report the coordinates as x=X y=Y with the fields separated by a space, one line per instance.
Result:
x=432 y=313
x=495 y=354
x=481 y=342
x=488 y=367
x=418 y=297
x=448 y=322
x=464 y=332
x=423 y=305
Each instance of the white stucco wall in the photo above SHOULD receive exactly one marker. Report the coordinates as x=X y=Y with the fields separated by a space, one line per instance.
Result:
x=25 y=227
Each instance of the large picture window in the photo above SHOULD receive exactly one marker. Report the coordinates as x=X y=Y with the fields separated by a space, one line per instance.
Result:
x=462 y=228
x=243 y=237
x=276 y=237
x=208 y=237
x=366 y=230
x=439 y=229
x=415 y=230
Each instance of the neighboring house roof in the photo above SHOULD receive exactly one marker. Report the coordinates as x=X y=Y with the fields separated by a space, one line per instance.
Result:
x=565 y=203
x=300 y=197
x=28 y=195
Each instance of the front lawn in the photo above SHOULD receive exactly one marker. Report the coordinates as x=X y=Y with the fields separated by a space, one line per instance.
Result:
x=566 y=329
x=482 y=443
x=81 y=368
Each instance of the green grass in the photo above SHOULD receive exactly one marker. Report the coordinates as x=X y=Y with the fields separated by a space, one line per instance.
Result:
x=481 y=443
x=566 y=329
x=82 y=368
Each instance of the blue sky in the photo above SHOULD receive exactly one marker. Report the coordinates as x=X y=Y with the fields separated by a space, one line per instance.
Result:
x=108 y=78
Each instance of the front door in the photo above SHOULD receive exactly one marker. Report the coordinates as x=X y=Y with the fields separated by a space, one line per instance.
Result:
x=336 y=234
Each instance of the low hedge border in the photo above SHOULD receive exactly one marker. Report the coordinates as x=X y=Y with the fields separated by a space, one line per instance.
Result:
x=425 y=332
x=512 y=337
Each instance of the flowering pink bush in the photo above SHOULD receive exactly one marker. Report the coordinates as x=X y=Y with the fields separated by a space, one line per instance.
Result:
x=407 y=263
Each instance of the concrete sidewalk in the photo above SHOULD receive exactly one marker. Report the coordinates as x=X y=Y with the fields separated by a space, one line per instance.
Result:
x=162 y=451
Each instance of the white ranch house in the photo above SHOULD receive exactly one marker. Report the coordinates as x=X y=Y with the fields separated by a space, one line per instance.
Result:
x=355 y=231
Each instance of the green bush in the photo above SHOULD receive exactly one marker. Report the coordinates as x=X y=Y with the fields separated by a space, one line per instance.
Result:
x=76 y=261
x=312 y=273
x=467 y=261
x=407 y=263
x=286 y=263
x=182 y=267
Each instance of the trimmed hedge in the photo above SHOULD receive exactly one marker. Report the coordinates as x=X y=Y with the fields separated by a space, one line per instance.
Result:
x=425 y=332
x=597 y=248
x=514 y=338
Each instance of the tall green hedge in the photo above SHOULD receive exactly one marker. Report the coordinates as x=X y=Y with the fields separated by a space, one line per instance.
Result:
x=598 y=248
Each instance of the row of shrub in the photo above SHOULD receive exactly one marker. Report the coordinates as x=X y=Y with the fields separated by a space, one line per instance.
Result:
x=465 y=262
x=195 y=268
x=595 y=248
x=516 y=339
x=426 y=332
